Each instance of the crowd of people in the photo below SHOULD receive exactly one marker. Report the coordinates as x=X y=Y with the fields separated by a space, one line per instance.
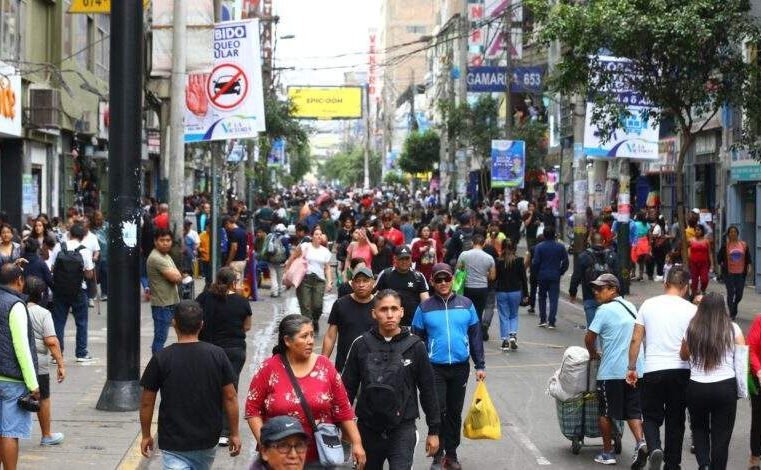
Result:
x=418 y=285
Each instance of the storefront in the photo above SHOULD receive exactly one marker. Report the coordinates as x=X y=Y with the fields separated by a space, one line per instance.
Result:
x=744 y=205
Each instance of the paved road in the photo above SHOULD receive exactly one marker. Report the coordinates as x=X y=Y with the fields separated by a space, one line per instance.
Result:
x=516 y=380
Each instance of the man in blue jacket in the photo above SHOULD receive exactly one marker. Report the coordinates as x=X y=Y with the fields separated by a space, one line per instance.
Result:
x=550 y=262
x=452 y=331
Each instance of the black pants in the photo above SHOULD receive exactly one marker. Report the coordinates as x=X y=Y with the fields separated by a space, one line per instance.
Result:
x=712 y=417
x=450 y=382
x=735 y=284
x=659 y=258
x=397 y=446
x=478 y=296
x=755 y=424
x=237 y=357
x=663 y=395
x=533 y=284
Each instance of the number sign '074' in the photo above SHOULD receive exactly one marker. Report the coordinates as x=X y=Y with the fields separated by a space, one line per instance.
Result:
x=94 y=6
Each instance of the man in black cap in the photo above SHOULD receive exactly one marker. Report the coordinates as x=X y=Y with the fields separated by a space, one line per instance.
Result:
x=410 y=284
x=282 y=444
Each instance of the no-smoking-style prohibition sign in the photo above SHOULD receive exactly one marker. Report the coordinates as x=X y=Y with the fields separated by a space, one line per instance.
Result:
x=227 y=86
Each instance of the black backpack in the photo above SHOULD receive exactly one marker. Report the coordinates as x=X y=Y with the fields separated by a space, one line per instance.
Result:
x=385 y=388
x=68 y=273
x=600 y=265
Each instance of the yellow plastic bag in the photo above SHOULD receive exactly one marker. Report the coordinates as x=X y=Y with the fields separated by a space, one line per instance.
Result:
x=482 y=421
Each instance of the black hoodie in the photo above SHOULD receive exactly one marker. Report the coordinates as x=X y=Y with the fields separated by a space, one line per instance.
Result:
x=419 y=373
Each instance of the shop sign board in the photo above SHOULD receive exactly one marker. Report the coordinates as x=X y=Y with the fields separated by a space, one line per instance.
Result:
x=492 y=79
x=228 y=102
x=94 y=6
x=326 y=102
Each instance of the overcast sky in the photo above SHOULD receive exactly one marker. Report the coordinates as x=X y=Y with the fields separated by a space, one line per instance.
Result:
x=323 y=29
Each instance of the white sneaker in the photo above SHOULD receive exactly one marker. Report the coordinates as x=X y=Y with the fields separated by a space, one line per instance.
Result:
x=224 y=441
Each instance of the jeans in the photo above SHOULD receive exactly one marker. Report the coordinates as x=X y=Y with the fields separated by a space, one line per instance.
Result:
x=491 y=306
x=478 y=297
x=507 y=306
x=78 y=308
x=664 y=399
x=189 y=459
x=276 y=278
x=14 y=422
x=310 y=295
x=101 y=268
x=713 y=407
x=449 y=382
x=533 y=284
x=205 y=267
x=590 y=307
x=549 y=288
x=143 y=273
x=162 y=320
x=699 y=272
x=735 y=284
x=237 y=357
x=396 y=445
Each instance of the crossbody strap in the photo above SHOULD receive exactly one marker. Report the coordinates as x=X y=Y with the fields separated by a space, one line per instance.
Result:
x=299 y=392
x=627 y=308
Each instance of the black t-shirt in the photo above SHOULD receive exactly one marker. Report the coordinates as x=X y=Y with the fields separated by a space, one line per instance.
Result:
x=238 y=235
x=190 y=378
x=223 y=319
x=352 y=319
x=408 y=285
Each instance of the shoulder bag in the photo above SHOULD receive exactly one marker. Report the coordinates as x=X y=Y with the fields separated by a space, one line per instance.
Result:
x=327 y=437
x=296 y=271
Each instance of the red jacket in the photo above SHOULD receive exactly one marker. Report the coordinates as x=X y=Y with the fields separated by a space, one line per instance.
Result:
x=754 y=344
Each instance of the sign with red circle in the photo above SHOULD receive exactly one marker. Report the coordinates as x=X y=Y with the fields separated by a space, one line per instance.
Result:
x=227 y=86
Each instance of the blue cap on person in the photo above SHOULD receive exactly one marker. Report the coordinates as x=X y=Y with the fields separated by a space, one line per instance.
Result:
x=280 y=427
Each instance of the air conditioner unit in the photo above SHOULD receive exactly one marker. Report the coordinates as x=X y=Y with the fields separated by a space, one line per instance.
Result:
x=44 y=108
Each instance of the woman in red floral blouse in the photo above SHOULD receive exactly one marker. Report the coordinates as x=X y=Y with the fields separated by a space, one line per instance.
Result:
x=271 y=393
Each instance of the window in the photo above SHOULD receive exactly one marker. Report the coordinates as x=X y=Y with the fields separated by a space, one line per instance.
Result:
x=79 y=39
x=416 y=29
x=9 y=29
x=68 y=26
x=102 y=46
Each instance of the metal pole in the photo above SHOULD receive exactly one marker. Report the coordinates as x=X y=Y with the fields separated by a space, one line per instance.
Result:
x=176 y=119
x=122 y=390
x=367 y=138
x=507 y=22
x=214 y=238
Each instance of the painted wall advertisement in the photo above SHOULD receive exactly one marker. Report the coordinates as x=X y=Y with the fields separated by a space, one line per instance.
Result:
x=637 y=137
x=227 y=102
x=508 y=163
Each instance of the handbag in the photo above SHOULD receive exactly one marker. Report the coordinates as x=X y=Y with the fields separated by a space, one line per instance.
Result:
x=327 y=437
x=741 y=369
x=295 y=273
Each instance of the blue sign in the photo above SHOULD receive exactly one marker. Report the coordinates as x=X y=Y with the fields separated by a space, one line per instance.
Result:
x=492 y=79
x=508 y=163
x=276 y=156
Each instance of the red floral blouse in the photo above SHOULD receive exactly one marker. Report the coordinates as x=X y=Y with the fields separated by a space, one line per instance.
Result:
x=271 y=394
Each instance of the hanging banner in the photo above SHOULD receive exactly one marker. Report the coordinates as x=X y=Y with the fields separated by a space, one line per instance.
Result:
x=508 y=163
x=10 y=94
x=228 y=102
x=198 y=38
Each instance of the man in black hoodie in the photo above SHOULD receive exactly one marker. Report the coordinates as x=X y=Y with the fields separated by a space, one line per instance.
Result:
x=385 y=368
x=593 y=262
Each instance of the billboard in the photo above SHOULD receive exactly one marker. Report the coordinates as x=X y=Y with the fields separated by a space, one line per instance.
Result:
x=329 y=102
x=508 y=163
x=227 y=102
x=10 y=108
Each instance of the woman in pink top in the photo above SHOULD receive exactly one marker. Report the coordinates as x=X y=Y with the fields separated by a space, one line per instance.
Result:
x=361 y=247
x=734 y=259
x=700 y=260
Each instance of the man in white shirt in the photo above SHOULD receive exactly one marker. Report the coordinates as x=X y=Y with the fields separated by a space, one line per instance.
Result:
x=661 y=324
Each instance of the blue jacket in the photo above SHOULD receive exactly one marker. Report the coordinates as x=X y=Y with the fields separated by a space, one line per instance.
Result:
x=550 y=260
x=451 y=330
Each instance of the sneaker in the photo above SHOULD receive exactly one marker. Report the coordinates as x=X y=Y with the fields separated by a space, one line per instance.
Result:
x=438 y=461
x=52 y=440
x=505 y=345
x=91 y=303
x=103 y=298
x=606 y=458
x=543 y=324
x=531 y=310
x=513 y=341
x=451 y=463
x=656 y=459
x=551 y=326
x=224 y=441
x=640 y=456
x=86 y=358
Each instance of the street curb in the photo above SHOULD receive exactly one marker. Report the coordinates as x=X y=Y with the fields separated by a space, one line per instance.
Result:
x=133 y=459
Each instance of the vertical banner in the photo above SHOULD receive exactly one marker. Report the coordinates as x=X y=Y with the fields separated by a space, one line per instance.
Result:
x=228 y=102
x=508 y=163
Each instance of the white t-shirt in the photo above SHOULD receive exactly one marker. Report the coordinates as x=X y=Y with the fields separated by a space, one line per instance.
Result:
x=316 y=259
x=90 y=241
x=665 y=318
x=724 y=371
x=86 y=256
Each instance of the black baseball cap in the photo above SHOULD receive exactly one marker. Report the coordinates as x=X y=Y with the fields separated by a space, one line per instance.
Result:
x=403 y=251
x=280 y=427
x=440 y=268
x=363 y=271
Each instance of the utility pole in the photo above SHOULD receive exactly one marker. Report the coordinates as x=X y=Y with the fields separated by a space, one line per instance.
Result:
x=580 y=179
x=506 y=33
x=176 y=192
x=367 y=138
x=121 y=391
x=413 y=91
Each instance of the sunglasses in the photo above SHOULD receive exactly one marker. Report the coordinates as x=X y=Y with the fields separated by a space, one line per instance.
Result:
x=440 y=280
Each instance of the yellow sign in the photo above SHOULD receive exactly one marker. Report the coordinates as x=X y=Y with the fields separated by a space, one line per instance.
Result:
x=94 y=6
x=326 y=102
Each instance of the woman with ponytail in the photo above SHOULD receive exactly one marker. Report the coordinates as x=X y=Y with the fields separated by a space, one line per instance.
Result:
x=271 y=393
x=226 y=319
